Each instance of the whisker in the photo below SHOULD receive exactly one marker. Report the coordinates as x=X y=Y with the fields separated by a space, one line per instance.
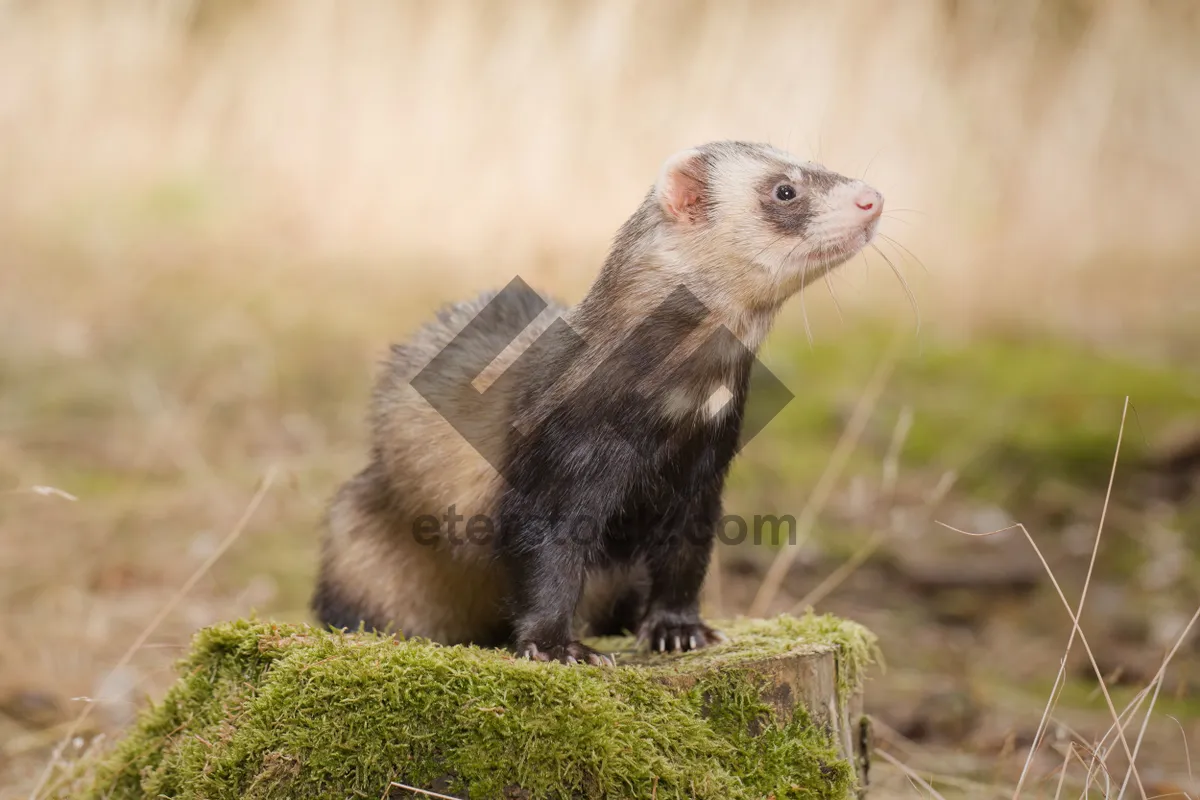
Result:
x=770 y=244
x=833 y=295
x=912 y=299
x=869 y=163
x=803 y=281
x=910 y=211
x=804 y=275
x=803 y=306
x=899 y=246
x=866 y=266
x=896 y=219
x=790 y=253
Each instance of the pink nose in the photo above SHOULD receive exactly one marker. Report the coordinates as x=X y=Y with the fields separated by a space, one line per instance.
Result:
x=870 y=201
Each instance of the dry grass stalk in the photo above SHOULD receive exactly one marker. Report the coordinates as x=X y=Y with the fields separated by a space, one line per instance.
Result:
x=425 y=792
x=821 y=493
x=233 y=535
x=910 y=773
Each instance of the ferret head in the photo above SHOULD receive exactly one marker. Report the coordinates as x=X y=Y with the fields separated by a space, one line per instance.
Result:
x=752 y=224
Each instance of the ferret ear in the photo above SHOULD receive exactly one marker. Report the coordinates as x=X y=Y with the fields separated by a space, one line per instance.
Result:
x=681 y=188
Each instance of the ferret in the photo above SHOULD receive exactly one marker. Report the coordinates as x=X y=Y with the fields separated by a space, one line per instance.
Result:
x=538 y=471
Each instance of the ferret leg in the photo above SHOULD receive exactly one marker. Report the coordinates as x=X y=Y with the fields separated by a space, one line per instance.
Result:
x=677 y=565
x=548 y=582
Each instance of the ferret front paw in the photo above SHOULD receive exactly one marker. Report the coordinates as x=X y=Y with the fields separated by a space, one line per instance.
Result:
x=569 y=653
x=677 y=633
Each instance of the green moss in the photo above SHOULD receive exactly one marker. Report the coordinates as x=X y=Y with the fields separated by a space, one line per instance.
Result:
x=765 y=753
x=1084 y=694
x=265 y=710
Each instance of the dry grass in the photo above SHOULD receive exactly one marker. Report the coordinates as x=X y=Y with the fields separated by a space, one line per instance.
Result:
x=162 y=613
x=816 y=501
x=1049 y=142
x=215 y=214
x=1101 y=751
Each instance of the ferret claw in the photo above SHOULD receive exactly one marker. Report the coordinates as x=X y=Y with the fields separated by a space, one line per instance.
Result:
x=569 y=653
x=672 y=634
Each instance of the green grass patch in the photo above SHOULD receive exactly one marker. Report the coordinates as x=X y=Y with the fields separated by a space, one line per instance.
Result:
x=1010 y=415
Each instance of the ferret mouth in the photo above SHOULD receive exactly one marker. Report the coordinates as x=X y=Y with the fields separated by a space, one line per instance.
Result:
x=835 y=252
x=837 y=249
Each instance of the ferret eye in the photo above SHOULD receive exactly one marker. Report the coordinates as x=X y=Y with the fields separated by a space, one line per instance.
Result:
x=785 y=192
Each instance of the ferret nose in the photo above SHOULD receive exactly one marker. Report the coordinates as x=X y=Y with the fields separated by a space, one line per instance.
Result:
x=869 y=201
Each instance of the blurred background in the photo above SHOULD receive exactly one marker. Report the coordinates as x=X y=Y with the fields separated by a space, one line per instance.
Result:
x=216 y=214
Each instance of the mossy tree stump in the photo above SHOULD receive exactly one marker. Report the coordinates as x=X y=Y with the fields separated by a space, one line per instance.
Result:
x=271 y=711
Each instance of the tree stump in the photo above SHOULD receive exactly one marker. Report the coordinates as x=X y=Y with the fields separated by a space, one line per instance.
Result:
x=265 y=710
